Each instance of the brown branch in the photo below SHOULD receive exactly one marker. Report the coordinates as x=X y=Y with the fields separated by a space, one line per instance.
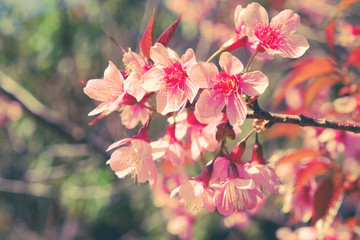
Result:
x=48 y=116
x=301 y=120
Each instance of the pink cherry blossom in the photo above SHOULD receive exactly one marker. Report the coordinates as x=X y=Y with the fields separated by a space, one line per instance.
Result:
x=109 y=90
x=170 y=148
x=135 y=158
x=136 y=66
x=226 y=88
x=277 y=37
x=240 y=39
x=264 y=177
x=131 y=115
x=170 y=77
x=234 y=190
x=196 y=194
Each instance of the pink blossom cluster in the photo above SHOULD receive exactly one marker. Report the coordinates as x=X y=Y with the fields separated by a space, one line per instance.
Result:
x=205 y=107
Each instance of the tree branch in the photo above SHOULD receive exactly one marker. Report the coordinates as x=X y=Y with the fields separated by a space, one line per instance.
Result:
x=51 y=118
x=300 y=120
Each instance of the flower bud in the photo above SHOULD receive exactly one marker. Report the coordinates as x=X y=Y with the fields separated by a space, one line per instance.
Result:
x=238 y=151
x=225 y=130
x=258 y=155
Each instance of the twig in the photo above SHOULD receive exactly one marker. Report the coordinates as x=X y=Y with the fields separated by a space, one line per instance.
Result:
x=300 y=120
x=76 y=133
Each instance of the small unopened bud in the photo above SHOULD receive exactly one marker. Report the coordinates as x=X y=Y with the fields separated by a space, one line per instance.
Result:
x=258 y=155
x=238 y=151
x=225 y=130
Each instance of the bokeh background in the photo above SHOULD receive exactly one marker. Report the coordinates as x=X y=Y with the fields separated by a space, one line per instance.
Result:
x=54 y=183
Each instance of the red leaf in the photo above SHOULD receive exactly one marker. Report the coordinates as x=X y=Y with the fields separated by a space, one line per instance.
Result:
x=147 y=39
x=317 y=85
x=312 y=169
x=354 y=57
x=304 y=70
x=329 y=34
x=166 y=36
x=344 y=4
x=290 y=131
x=326 y=199
x=298 y=155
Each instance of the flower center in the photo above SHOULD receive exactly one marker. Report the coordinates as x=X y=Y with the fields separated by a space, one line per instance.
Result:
x=175 y=76
x=228 y=84
x=270 y=37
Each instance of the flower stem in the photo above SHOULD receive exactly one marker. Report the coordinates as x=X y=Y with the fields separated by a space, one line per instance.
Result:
x=249 y=134
x=147 y=107
x=222 y=49
x=249 y=62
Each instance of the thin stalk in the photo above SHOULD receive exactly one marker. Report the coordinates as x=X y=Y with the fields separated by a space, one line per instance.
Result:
x=249 y=62
x=216 y=53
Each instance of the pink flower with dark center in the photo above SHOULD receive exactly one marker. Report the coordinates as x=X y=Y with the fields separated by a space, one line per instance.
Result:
x=234 y=190
x=170 y=78
x=226 y=88
x=196 y=194
x=277 y=37
x=263 y=175
x=134 y=158
x=109 y=90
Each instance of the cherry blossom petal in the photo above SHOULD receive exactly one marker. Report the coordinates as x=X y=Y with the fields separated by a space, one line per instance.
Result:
x=209 y=200
x=152 y=80
x=132 y=86
x=107 y=89
x=134 y=61
x=188 y=59
x=113 y=75
x=230 y=64
x=190 y=89
x=101 y=90
x=204 y=74
x=174 y=57
x=224 y=207
x=210 y=104
x=243 y=183
x=239 y=18
x=236 y=110
x=131 y=115
x=295 y=47
x=254 y=83
x=159 y=54
x=119 y=143
x=255 y=15
x=190 y=189
x=176 y=154
x=170 y=100
x=119 y=162
x=287 y=21
x=159 y=148
x=102 y=107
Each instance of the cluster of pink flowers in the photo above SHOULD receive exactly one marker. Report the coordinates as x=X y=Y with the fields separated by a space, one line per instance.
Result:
x=205 y=106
